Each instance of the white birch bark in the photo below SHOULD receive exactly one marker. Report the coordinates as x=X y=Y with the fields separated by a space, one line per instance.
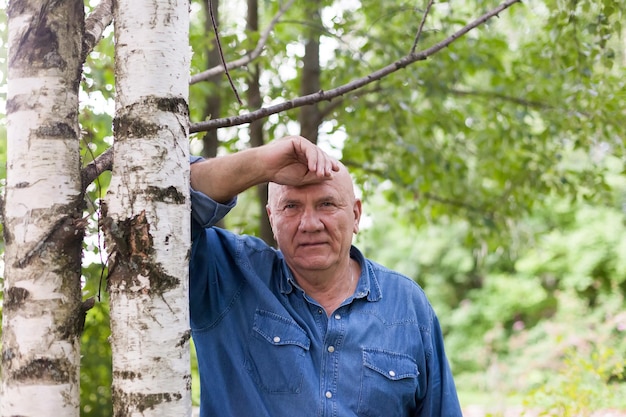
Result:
x=147 y=211
x=42 y=318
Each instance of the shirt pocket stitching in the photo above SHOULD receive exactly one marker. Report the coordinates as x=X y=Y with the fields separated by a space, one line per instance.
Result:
x=280 y=346
x=271 y=325
x=398 y=365
x=401 y=372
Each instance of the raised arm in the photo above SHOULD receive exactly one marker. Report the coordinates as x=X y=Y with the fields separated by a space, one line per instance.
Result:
x=292 y=160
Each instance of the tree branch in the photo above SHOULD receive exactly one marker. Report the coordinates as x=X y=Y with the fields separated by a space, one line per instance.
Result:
x=102 y=163
x=330 y=107
x=421 y=27
x=206 y=75
x=101 y=17
x=95 y=24
x=353 y=85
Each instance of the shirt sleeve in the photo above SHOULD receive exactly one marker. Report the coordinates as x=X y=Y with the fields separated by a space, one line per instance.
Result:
x=441 y=399
x=205 y=211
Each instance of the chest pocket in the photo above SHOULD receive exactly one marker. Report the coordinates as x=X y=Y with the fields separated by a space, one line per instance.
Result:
x=276 y=348
x=388 y=380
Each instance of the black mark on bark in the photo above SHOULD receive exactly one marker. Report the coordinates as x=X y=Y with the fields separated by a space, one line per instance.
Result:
x=45 y=370
x=15 y=297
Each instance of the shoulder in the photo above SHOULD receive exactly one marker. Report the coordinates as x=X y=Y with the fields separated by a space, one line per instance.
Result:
x=398 y=288
x=238 y=242
x=389 y=277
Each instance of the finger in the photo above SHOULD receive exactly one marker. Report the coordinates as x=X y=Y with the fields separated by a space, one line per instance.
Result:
x=321 y=163
x=330 y=164
x=333 y=166
x=314 y=158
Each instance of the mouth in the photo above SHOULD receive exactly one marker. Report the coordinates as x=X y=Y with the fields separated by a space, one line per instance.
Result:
x=311 y=244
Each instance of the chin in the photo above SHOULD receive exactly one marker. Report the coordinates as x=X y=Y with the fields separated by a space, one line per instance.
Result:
x=313 y=264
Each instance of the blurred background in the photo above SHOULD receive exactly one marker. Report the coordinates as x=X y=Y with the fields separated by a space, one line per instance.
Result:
x=492 y=173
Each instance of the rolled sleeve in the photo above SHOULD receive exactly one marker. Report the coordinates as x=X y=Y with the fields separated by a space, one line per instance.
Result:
x=205 y=211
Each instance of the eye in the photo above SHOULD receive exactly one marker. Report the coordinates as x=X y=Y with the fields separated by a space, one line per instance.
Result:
x=290 y=209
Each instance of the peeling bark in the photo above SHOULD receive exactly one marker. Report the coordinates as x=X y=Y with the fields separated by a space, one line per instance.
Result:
x=42 y=308
x=146 y=216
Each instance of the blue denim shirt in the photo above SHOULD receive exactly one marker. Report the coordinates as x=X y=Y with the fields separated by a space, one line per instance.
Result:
x=267 y=349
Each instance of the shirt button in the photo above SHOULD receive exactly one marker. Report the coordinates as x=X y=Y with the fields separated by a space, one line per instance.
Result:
x=329 y=394
x=337 y=316
x=331 y=349
x=392 y=373
x=319 y=311
x=276 y=339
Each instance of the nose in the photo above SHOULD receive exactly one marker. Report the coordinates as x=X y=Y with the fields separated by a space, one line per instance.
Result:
x=310 y=221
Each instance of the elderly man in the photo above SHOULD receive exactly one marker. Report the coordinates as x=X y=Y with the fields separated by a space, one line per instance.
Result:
x=314 y=328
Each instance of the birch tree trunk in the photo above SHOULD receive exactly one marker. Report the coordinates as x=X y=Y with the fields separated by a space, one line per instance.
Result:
x=146 y=215
x=42 y=316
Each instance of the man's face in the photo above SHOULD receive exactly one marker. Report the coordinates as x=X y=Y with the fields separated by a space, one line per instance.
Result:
x=313 y=224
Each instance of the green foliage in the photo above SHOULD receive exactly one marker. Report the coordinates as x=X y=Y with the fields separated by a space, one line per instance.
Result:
x=513 y=316
x=481 y=130
x=595 y=266
x=502 y=157
x=96 y=373
x=95 y=376
x=582 y=385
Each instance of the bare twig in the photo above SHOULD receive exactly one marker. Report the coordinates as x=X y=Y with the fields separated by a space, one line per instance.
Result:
x=95 y=24
x=206 y=75
x=219 y=48
x=491 y=95
x=461 y=204
x=421 y=27
x=353 y=85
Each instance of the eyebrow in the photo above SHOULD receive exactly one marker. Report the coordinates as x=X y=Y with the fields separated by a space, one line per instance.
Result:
x=291 y=200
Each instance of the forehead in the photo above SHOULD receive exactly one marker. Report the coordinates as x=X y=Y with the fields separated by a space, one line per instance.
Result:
x=340 y=186
x=327 y=189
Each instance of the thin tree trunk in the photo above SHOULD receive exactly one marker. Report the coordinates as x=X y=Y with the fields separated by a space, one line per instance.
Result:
x=146 y=216
x=309 y=116
x=257 y=136
x=213 y=102
x=43 y=230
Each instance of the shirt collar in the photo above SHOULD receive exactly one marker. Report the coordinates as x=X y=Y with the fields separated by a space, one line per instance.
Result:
x=368 y=285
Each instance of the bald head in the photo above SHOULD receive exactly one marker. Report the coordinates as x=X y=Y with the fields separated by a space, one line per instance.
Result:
x=341 y=180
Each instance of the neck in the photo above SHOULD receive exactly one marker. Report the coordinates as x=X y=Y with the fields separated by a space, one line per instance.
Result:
x=331 y=291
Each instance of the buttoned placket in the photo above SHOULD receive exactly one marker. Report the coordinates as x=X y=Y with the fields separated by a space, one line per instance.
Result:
x=333 y=328
x=335 y=333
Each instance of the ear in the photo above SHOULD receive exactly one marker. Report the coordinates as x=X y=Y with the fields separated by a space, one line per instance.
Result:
x=268 y=209
x=357 y=209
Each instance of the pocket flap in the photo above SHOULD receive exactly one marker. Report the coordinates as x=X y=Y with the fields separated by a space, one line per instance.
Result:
x=393 y=366
x=279 y=330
